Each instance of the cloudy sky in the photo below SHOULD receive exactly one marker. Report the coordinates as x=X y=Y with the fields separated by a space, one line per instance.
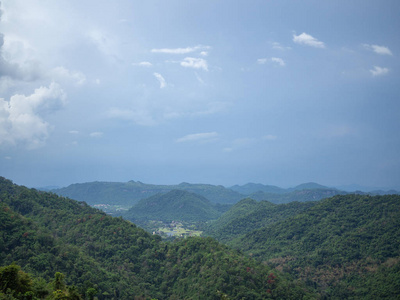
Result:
x=220 y=92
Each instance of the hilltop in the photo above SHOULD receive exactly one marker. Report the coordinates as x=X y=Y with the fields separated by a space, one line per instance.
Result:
x=174 y=205
x=129 y=193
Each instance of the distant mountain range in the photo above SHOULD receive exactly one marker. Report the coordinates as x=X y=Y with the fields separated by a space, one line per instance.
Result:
x=129 y=193
x=342 y=247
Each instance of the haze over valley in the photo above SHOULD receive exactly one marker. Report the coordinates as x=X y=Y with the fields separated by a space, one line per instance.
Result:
x=199 y=149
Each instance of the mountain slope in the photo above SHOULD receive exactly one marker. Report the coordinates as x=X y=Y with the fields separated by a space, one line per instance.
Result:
x=248 y=215
x=337 y=243
x=129 y=193
x=174 y=205
x=297 y=195
x=114 y=259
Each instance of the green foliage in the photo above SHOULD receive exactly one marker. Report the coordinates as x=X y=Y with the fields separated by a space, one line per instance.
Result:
x=336 y=245
x=106 y=257
x=174 y=205
x=248 y=215
x=16 y=284
x=14 y=280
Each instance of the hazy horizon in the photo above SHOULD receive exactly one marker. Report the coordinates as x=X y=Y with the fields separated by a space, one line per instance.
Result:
x=347 y=188
x=273 y=92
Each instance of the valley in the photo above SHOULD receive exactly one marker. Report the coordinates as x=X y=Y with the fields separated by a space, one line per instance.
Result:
x=175 y=229
x=340 y=247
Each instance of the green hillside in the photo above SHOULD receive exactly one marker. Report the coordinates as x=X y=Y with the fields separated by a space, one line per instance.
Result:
x=345 y=246
x=110 y=258
x=248 y=215
x=174 y=205
x=297 y=195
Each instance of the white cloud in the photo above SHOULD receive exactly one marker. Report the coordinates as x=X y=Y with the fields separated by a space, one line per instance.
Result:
x=161 y=79
x=278 y=61
x=73 y=132
x=96 y=134
x=306 y=39
x=180 y=50
x=278 y=46
x=17 y=60
x=21 y=118
x=61 y=73
x=196 y=63
x=198 y=137
x=382 y=50
x=262 y=61
x=378 y=71
x=143 y=64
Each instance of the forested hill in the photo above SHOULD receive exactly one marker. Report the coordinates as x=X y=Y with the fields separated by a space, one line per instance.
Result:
x=174 y=205
x=248 y=215
x=347 y=246
x=129 y=193
x=110 y=258
x=310 y=191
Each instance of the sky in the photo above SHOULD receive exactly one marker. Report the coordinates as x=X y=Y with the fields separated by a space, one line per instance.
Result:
x=212 y=91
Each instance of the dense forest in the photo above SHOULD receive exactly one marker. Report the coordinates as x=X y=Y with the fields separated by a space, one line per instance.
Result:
x=342 y=247
x=57 y=248
x=174 y=205
x=345 y=247
x=248 y=215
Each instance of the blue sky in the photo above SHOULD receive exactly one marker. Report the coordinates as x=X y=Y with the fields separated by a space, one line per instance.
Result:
x=220 y=92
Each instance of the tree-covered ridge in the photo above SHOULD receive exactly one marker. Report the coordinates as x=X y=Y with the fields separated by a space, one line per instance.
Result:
x=251 y=188
x=297 y=195
x=174 y=205
x=111 y=258
x=304 y=192
x=248 y=215
x=129 y=193
x=346 y=246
